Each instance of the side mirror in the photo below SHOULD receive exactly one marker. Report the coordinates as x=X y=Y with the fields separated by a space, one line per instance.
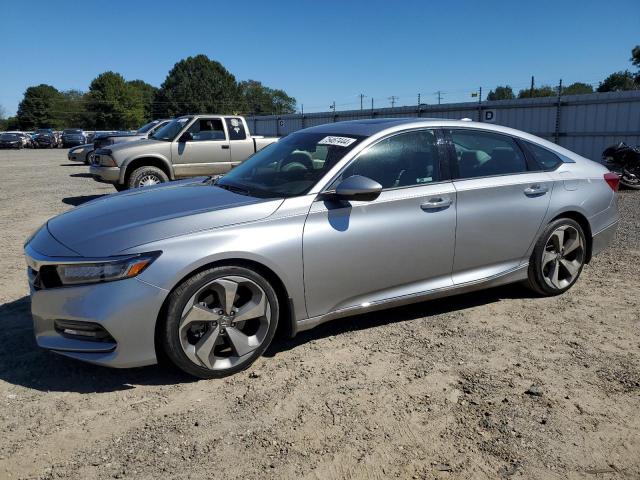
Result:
x=185 y=137
x=359 y=188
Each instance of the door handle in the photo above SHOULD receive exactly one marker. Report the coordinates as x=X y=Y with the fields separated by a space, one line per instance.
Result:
x=225 y=147
x=534 y=190
x=436 y=203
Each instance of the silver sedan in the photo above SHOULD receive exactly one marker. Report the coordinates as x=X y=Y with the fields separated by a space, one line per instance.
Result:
x=330 y=221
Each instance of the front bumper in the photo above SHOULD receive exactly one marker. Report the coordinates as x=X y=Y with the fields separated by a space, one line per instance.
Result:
x=126 y=309
x=105 y=174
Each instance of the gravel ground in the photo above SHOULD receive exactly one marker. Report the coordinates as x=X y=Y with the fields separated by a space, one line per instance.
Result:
x=494 y=384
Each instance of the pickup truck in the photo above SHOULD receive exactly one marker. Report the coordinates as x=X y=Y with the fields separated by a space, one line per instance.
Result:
x=188 y=146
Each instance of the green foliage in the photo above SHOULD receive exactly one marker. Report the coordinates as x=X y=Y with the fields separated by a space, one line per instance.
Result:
x=635 y=56
x=501 y=93
x=69 y=110
x=114 y=103
x=543 y=91
x=577 y=88
x=260 y=100
x=148 y=93
x=618 y=81
x=198 y=85
x=37 y=108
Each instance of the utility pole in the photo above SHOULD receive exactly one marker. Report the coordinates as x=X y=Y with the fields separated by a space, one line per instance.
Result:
x=556 y=136
x=418 y=100
x=393 y=99
x=480 y=104
x=371 y=103
x=362 y=96
x=439 y=95
x=302 y=108
x=333 y=106
x=532 y=84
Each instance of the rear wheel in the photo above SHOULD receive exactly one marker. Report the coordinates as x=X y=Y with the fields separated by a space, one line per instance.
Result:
x=558 y=257
x=219 y=321
x=146 y=177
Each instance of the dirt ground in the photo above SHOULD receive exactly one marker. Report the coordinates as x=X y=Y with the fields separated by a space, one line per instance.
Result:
x=435 y=390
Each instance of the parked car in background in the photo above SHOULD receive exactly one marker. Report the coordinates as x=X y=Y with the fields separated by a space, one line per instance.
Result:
x=188 y=146
x=24 y=137
x=45 y=138
x=81 y=153
x=11 y=140
x=120 y=137
x=72 y=137
x=331 y=221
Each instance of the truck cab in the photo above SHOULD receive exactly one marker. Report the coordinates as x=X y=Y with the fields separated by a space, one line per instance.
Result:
x=188 y=146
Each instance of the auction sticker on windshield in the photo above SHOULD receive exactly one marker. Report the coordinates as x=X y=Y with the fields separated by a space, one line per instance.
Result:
x=337 y=141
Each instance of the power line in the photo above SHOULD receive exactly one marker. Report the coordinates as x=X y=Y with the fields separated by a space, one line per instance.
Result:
x=393 y=99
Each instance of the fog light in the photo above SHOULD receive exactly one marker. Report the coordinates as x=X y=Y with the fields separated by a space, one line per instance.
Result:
x=83 y=330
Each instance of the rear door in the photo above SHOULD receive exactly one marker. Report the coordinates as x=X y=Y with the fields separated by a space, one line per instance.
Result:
x=239 y=141
x=501 y=203
x=208 y=151
x=361 y=253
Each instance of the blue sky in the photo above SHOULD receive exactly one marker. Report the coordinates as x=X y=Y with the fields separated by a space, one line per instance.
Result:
x=320 y=51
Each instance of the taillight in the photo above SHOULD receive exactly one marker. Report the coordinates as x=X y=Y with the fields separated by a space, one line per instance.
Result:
x=613 y=180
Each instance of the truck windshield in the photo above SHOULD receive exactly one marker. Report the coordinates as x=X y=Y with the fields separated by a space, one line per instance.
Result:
x=289 y=167
x=147 y=127
x=171 y=129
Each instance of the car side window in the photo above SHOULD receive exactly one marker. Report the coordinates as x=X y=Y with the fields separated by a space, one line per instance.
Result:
x=545 y=159
x=483 y=154
x=402 y=160
x=236 y=129
x=207 y=129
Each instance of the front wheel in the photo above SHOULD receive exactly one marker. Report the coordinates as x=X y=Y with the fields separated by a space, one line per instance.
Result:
x=219 y=321
x=146 y=177
x=630 y=181
x=558 y=257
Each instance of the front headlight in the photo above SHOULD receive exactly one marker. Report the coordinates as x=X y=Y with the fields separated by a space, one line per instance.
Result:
x=107 y=271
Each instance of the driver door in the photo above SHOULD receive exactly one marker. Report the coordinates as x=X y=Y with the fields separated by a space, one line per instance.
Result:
x=402 y=243
x=206 y=153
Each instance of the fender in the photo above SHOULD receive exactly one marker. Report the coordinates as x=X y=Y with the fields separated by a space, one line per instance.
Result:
x=125 y=165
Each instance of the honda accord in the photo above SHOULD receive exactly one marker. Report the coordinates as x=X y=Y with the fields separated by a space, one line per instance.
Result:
x=330 y=221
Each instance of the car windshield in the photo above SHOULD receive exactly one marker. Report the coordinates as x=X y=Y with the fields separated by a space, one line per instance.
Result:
x=147 y=127
x=171 y=129
x=9 y=136
x=289 y=167
x=72 y=131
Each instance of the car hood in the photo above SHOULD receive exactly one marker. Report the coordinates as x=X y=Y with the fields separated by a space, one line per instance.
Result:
x=128 y=149
x=121 y=221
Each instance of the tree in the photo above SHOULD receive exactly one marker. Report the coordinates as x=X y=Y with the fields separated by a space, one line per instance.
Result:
x=635 y=56
x=148 y=93
x=617 y=81
x=198 y=85
x=69 y=110
x=501 y=93
x=577 y=88
x=2 y=113
x=543 y=91
x=114 y=103
x=261 y=100
x=37 y=108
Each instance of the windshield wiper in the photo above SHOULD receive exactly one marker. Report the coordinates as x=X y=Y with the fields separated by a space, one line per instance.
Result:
x=234 y=189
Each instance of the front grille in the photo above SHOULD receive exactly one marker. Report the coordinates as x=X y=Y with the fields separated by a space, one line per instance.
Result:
x=83 y=331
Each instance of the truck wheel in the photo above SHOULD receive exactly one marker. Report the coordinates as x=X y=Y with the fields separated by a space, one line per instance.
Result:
x=147 y=176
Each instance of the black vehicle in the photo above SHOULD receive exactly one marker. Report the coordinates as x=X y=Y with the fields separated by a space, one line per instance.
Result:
x=45 y=138
x=11 y=140
x=145 y=131
x=72 y=137
x=625 y=161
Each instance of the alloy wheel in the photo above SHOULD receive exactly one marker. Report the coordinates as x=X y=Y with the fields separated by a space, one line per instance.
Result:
x=224 y=322
x=563 y=257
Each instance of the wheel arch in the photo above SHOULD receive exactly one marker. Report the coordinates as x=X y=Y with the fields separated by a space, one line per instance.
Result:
x=151 y=161
x=286 y=329
x=584 y=223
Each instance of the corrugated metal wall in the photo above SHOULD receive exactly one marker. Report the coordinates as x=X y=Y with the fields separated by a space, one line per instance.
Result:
x=585 y=124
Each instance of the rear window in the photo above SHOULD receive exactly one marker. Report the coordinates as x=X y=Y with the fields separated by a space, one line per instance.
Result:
x=236 y=129
x=545 y=159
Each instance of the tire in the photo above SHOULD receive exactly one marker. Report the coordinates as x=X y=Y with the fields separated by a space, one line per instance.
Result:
x=558 y=258
x=140 y=176
x=203 y=343
x=87 y=158
x=629 y=184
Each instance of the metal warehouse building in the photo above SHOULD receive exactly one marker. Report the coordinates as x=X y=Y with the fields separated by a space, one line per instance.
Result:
x=585 y=124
